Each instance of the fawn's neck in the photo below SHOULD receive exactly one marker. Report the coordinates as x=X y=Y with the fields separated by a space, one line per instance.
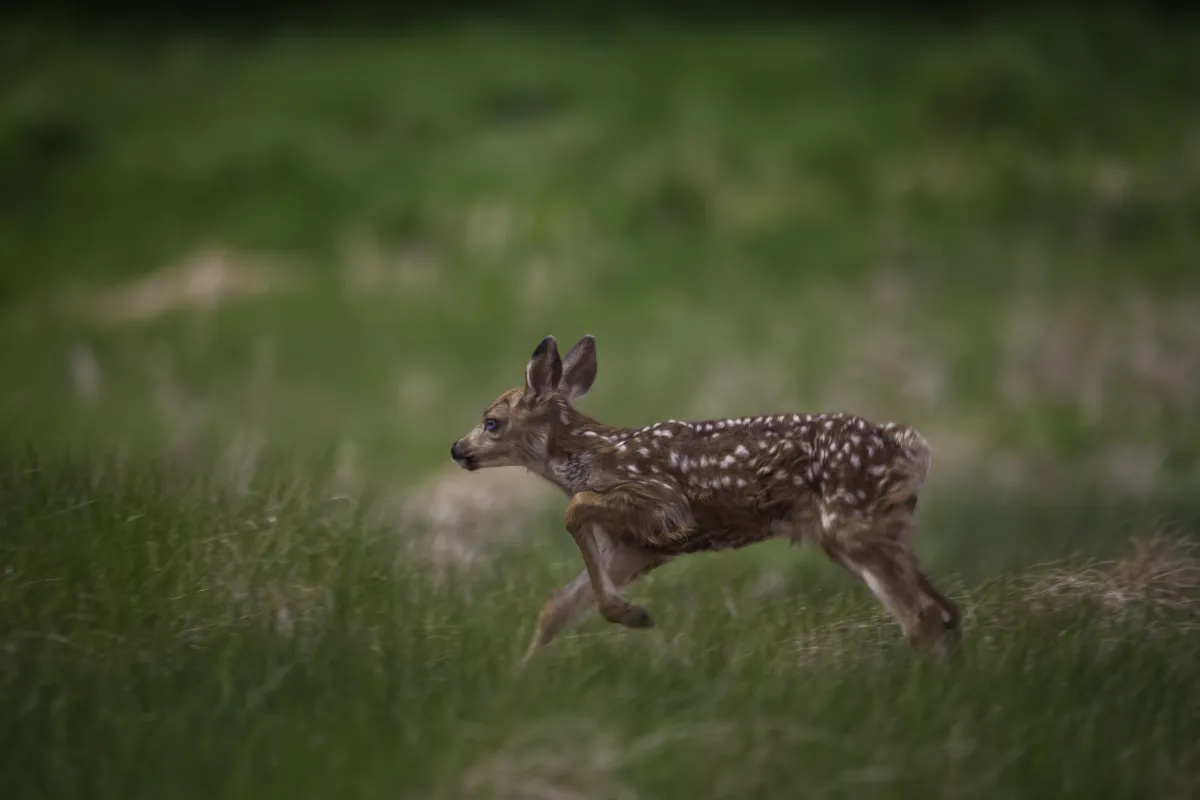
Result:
x=570 y=453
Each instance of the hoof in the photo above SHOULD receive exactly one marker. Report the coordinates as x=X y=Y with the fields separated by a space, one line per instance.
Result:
x=629 y=615
x=936 y=635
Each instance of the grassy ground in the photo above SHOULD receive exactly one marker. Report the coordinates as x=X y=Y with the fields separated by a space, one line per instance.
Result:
x=252 y=290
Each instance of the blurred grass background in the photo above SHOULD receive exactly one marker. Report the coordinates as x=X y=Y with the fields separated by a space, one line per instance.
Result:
x=254 y=283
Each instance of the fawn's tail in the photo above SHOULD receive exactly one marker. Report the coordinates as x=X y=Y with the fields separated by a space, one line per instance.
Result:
x=914 y=452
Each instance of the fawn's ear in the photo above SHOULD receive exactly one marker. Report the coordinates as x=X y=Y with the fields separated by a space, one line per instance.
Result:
x=544 y=370
x=579 y=368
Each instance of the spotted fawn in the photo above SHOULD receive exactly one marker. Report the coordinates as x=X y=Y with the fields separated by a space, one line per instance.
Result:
x=639 y=497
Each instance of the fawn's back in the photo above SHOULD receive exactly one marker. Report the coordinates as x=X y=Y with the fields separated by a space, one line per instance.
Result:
x=746 y=479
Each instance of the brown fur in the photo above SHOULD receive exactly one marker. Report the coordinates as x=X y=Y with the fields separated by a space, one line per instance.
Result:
x=641 y=497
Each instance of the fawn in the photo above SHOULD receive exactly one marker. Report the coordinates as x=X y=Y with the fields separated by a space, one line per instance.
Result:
x=641 y=497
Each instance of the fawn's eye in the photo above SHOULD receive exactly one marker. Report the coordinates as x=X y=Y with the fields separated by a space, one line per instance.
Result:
x=491 y=424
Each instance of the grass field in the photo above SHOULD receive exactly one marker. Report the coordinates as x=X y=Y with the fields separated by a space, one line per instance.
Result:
x=250 y=291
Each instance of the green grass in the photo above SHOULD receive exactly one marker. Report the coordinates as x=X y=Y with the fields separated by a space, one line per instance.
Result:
x=250 y=290
x=165 y=636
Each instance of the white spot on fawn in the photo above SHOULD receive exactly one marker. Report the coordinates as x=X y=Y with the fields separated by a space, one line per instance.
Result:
x=828 y=518
x=741 y=451
x=644 y=451
x=728 y=461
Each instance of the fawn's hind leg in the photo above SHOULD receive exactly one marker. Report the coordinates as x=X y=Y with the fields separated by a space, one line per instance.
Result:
x=882 y=559
x=623 y=565
x=898 y=524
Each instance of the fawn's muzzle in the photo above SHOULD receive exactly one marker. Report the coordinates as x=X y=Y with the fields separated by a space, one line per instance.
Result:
x=459 y=453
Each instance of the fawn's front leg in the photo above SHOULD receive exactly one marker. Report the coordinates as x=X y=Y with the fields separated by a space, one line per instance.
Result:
x=608 y=597
x=623 y=564
x=605 y=513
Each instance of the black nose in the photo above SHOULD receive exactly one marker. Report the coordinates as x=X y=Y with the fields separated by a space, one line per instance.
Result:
x=455 y=451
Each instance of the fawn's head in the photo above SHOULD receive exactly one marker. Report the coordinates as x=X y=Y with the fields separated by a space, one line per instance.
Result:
x=517 y=427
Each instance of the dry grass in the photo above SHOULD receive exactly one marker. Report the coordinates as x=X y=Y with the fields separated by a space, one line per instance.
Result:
x=454 y=518
x=203 y=281
x=369 y=265
x=1157 y=582
x=1136 y=357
